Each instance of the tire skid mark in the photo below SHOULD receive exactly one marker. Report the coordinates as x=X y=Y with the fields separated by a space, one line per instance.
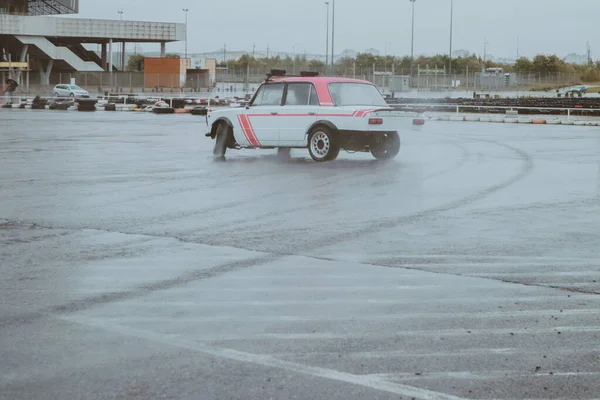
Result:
x=465 y=156
x=240 y=203
x=314 y=244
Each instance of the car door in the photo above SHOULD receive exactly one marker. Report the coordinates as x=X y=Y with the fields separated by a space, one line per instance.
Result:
x=299 y=113
x=260 y=122
x=63 y=91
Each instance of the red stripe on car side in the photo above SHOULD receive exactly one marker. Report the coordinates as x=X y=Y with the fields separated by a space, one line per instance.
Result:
x=252 y=133
x=244 y=128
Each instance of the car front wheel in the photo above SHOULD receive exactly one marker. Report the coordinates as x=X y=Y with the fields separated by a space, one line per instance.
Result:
x=322 y=145
x=387 y=148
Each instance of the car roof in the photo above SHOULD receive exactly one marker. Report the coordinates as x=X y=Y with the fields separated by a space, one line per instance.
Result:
x=319 y=79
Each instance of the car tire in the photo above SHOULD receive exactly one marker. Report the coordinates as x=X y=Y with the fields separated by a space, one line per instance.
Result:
x=322 y=144
x=388 y=148
x=55 y=94
x=221 y=139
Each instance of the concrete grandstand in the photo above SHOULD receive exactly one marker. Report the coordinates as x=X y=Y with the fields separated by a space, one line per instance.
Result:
x=31 y=33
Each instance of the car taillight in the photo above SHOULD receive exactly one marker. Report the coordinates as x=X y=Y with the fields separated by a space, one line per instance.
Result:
x=375 y=121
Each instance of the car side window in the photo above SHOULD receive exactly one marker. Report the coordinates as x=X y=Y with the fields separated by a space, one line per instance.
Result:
x=298 y=94
x=314 y=99
x=270 y=94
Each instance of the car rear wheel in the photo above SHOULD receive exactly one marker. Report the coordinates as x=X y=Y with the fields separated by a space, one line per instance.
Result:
x=221 y=140
x=322 y=145
x=387 y=148
x=55 y=94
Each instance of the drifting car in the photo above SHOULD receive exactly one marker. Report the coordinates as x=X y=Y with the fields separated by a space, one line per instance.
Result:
x=323 y=114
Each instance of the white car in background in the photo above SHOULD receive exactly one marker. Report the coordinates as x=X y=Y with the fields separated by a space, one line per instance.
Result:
x=69 y=91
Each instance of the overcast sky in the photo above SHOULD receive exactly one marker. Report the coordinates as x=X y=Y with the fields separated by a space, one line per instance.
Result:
x=543 y=26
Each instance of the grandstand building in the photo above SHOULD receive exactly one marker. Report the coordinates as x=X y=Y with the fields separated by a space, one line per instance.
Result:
x=31 y=32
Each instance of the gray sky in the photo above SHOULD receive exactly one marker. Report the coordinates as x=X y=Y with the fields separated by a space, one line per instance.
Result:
x=544 y=26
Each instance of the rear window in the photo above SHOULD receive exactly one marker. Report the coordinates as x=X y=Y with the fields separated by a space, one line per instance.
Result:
x=356 y=94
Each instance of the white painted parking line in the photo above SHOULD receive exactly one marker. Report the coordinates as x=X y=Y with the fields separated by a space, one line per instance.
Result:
x=369 y=381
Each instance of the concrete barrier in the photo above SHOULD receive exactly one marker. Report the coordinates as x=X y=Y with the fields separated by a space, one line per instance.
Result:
x=567 y=122
x=498 y=119
x=510 y=120
x=457 y=118
x=538 y=121
x=524 y=120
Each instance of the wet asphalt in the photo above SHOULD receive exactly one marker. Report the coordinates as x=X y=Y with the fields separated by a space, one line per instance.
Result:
x=134 y=266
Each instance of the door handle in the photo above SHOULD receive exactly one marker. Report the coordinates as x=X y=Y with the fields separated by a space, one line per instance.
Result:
x=312 y=113
x=274 y=113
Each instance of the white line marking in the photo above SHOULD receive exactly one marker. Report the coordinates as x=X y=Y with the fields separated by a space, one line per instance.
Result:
x=155 y=317
x=361 y=355
x=487 y=376
x=503 y=300
x=372 y=382
x=463 y=332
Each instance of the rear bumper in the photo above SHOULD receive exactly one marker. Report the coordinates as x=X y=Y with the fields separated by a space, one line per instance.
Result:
x=360 y=140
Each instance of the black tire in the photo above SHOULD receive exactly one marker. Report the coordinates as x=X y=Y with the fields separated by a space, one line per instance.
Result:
x=72 y=95
x=322 y=144
x=388 y=148
x=221 y=139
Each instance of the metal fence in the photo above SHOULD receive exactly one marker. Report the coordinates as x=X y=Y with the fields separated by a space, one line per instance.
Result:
x=247 y=80
x=118 y=82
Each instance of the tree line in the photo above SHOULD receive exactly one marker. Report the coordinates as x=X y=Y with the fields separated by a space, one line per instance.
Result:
x=542 y=64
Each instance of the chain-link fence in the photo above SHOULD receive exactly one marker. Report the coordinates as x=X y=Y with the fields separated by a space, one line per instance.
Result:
x=246 y=80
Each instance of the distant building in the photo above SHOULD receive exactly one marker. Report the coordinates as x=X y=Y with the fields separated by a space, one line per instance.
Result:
x=29 y=33
x=576 y=59
x=495 y=78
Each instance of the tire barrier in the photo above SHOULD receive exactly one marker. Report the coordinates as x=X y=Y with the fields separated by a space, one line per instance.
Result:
x=86 y=105
x=531 y=105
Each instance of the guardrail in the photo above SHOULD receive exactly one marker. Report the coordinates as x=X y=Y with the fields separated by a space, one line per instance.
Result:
x=458 y=107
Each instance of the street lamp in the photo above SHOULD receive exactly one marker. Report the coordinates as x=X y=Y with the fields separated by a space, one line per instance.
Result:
x=333 y=37
x=450 y=54
x=485 y=43
x=327 y=39
x=412 y=44
x=385 y=55
x=294 y=60
x=122 y=45
x=185 y=10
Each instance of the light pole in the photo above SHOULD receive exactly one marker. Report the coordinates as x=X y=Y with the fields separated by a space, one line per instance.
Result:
x=185 y=10
x=385 y=54
x=485 y=43
x=450 y=54
x=412 y=44
x=294 y=60
x=327 y=39
x=122 y=45
x=332 y=37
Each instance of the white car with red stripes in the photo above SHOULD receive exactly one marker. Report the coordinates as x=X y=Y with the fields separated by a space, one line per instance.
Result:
x=323 y=114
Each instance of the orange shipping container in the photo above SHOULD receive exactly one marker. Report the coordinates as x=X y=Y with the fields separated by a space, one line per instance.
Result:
x=165 y=72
